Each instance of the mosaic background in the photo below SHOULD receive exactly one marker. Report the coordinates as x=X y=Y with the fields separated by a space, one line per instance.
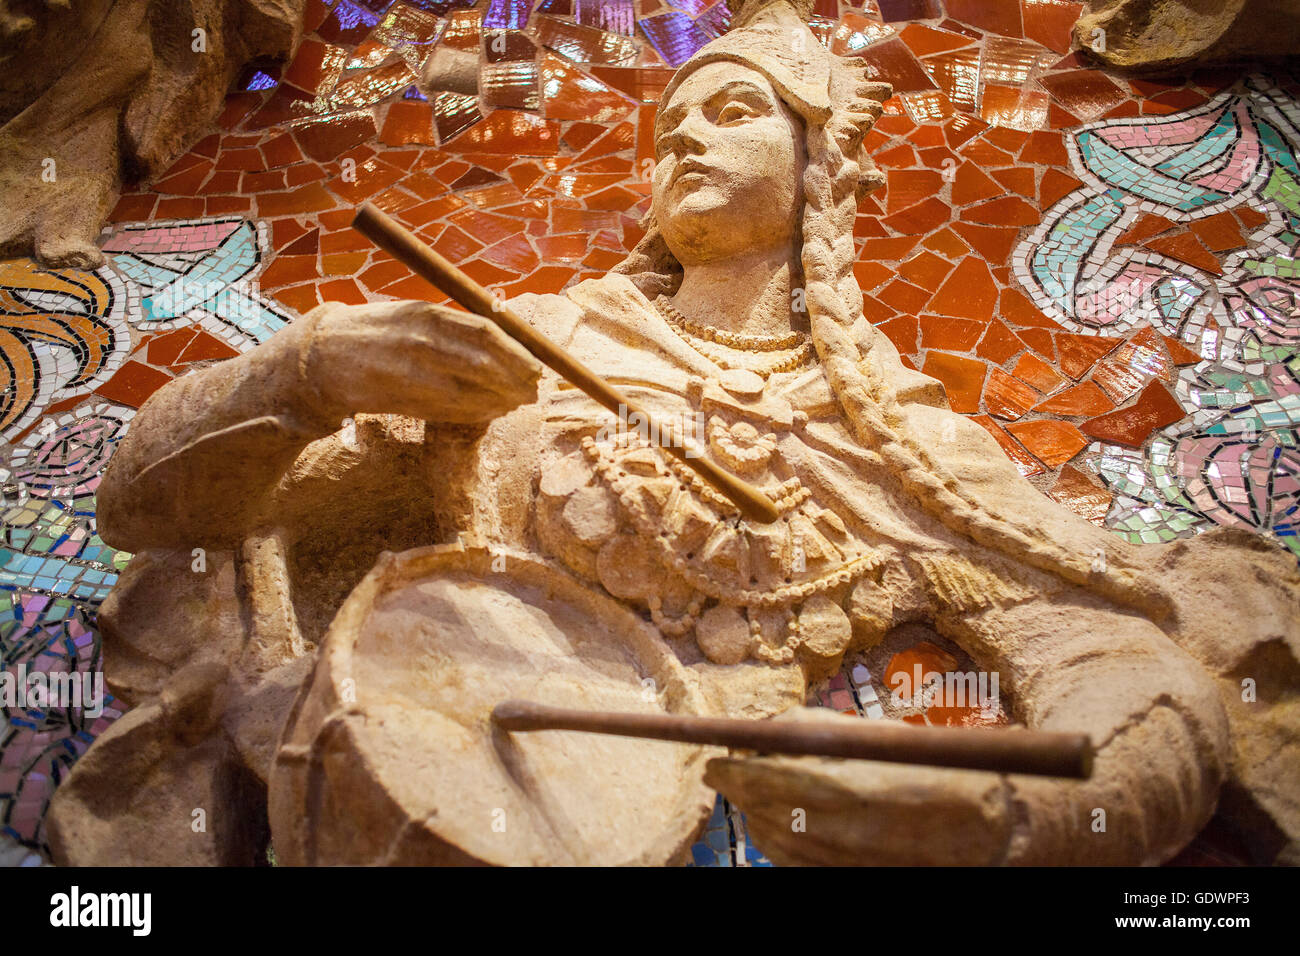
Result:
x=1101 y=271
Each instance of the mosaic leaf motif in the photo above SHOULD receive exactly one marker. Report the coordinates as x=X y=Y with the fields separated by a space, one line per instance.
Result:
x=1234 y=460
x=61 y=333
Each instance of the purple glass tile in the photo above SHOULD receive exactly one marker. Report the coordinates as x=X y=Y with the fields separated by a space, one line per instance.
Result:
x=616 y=16
x=714 y=21
x=507 y=15
x=692 y=8
x=674 y=36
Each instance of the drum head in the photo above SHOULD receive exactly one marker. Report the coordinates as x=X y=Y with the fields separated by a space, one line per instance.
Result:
x=390 y=755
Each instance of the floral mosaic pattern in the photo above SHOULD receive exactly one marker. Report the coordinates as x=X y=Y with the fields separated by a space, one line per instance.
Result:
x=1101 y=271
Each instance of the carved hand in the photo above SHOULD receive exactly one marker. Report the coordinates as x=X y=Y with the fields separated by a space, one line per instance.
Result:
x=418 y=359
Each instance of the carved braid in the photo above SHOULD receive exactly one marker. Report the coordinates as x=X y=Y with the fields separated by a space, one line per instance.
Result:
x=834 y=302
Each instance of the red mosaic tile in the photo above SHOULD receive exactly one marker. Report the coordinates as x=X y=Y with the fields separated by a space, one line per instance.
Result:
x=1081 y=494
x=969 y=291
x=1019 y=179
x=1218 y=233
x=1155 y=408
x=1087 y=94
x=316 y=66
x=949 y=334
x=1007 y=397
x=903 y=332
x=957 y=74
x=1007 y=211
x=907 y=187
x=1080 y=352
x=307 y=199
x=1186 y=248
x=1017 y=310
x=1040 y=340
x=408 y=122
x=925 y=270
x=871 y=274
x=132 y=208
x=1055 y=185
x=302 y=299
x=132 y=384
x=1051 y=442
x=996 y=17
x=1025 y=463
x=1179 y=353
x=920 y=219
x=306 y=245
x=1039 y=374
x=947 y=243
x=904 y=296
x=1050 y=22
x=343 y=290
x=205 y=347
x=1117 y=380
x=999 y=343
x=962 y=378
x=326 y=139
x=970 y=184
x=179 y=208
x=1085 y=399
x=926 y=41
x=165 y=349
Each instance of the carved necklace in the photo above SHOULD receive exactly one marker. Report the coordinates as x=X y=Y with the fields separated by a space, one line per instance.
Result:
x=793 y=350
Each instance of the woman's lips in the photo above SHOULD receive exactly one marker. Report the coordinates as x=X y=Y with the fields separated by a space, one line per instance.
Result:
x=691 y=167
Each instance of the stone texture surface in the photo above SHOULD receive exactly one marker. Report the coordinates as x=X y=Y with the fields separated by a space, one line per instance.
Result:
x=79 y=118
x=1160 y=34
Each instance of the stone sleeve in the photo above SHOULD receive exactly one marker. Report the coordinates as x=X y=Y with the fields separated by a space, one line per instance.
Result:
x=204 y=453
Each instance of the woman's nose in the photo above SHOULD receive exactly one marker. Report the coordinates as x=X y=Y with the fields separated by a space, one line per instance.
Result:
x=688 y=137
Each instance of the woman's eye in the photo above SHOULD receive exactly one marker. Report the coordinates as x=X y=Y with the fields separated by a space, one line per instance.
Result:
x=734 y=111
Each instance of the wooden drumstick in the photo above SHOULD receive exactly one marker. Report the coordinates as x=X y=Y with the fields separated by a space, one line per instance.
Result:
x=973 y=748
x=399 y=242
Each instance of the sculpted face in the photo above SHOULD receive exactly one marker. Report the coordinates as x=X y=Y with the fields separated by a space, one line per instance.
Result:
x=729 y=171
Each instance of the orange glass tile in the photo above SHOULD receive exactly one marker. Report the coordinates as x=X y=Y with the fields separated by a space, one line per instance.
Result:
x=962 y=378
x=343 y=290
x=1185 y=247
x=1179 y=353
x=1040 y=340
x=1143 y=228
x=221 y=181
x=1045 y=147
x=368 y=55
x=1051 y=442
x=868 y=227
x=1007 y=397
x=947 y=243
x=1025 y=463
x=453 y=113
x=904 y=296
x=1087 y=94
x=1007 y=211
x=570 y=248
x=308 y=244
x=303 y=173
x=166 y=348
x=514 y=252
x=962 y=128
x=949 y=334
x=1050 y=22
x=1019 y=179
x=179 y=208
x=999 y=343
x=583 y=44
x=970 y=184
x=927 y=106
x=547 y=279
x=487 y=274
x=132 y=208
x=991 y=242
x=1155 y=408
x=900 y=156
x=262 y=182
x=1218 y=233
x=511 y=132
x=957 y=74
x=924 y=658
x=1058 y=118
x=316 y=66
x=345 y=240
x=925 y=270
x=876 y=312
x=289 y=270
x=1017 y=310
x=512 y=84
x=205 y=347
x=187 y=182
x=1013 y=107
x=302 y=299
x=463 y=31
x=903 y=332
x=610 y=164
x=895 y=64
x=1250 y=218
x=307 y=199
x=1119 y=381
x=926 y=41
x=325 y=139
x=132 y=384
x=1055 y=185
x=855 y=32
x=920 y=219
x=367 y=179
x=386 y=272
x=906 y=187
x=995 y=16
x=1145 y=352
x=1037 y=373
x=969 y=292
x=1085 y=399
x=1080 y=352
x=871 y=274
x=408 y=121
x=644 y=84
x=344 y=264
x=889 y=248
x=621 y=137
x=1085 y=497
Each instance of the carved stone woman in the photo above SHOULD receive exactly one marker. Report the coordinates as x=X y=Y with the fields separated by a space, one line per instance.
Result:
x=739 y=309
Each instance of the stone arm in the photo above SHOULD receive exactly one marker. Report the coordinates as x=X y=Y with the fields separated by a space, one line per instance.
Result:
x=204 y=454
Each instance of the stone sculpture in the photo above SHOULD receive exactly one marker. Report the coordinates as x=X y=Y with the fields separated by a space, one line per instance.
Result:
x=1154 y=35
x=76 y=119
x=403 y=520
